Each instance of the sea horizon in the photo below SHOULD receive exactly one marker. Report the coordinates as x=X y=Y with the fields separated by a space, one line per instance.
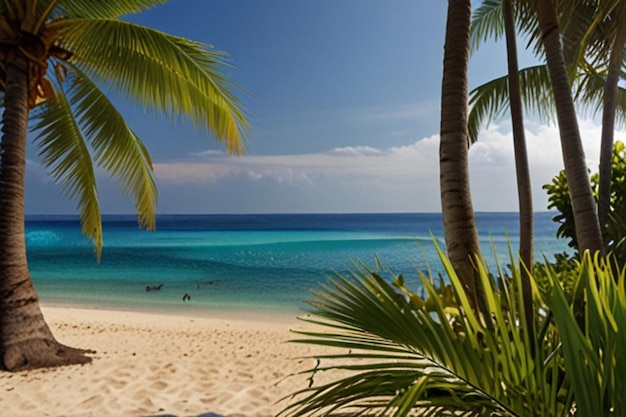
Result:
x=203 y=264
x=76 y=215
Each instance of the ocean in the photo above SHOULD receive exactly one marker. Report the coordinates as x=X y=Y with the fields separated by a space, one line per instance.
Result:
x=263 y=262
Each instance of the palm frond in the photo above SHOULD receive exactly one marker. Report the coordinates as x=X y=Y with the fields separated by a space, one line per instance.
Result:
x=108 y=9
x=490 y=101
x=487 y=23
x=589 y=92
x=487 y=103
x=597 y=23
x=395 y=358
x=163 y=73
x=527 y=25
x=65 y=153
x=384 y=364
x=116 y=147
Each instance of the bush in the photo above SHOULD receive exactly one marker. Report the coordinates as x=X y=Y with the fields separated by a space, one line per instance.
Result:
x=614 y=233
x=401 y=354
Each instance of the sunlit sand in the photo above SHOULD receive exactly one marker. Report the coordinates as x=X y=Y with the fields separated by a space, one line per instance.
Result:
x=152 y=365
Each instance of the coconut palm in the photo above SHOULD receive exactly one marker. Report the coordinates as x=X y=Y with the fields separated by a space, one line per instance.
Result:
x=456 y=201
x=57 y=57
x=573 y=154
x=590 y=34
x=587 y=226
x=524 y=189
x=612 y=45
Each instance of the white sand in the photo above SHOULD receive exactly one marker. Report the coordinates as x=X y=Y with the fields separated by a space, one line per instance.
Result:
x=148 y=365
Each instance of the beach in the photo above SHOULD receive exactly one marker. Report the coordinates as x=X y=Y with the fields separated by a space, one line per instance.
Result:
x=223 y=347
x=148 y=364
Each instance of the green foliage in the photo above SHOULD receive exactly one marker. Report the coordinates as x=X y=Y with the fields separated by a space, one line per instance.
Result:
x=614 y=233
x=565 y=267
x=85 y=51
x=405 y=353
x=490 y=101
x=394 y=356
x=593 y=356
x=559 y=199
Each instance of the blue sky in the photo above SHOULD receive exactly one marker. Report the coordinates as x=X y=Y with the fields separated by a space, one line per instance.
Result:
x=344 y=109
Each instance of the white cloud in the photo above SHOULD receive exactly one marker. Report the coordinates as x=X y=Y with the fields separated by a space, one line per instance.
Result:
x=357 y=178
x=356 y=151
x=209 y=153
x=492 y=164
x=359 y=164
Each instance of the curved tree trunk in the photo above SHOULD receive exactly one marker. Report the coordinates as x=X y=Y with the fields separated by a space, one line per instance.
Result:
x=588 y=232
x=611 y=92
x=524 y=189
x=25 y=339
x=456 y=202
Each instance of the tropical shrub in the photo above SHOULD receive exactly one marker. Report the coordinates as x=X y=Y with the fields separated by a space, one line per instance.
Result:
x=614 y=233
x=565 y=266
x=401 y=354
x=593 y=357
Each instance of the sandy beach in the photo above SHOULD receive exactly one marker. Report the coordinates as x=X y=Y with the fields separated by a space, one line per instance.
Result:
x=154 y=364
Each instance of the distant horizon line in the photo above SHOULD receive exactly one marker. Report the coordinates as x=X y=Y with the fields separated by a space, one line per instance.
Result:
x=76 y=215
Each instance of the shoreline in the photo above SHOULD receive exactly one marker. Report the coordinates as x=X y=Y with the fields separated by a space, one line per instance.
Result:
x=200 y=312
x=148 y=364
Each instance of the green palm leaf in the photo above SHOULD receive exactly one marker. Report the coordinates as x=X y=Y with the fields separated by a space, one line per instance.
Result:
x=116 y=147
x=399 y=357
x=490 y=101
x=378 y=387
x=593 y=355
x=159 y=72
x=589 y=91
x=487 y=23
x=65 y=152
x=103 y=9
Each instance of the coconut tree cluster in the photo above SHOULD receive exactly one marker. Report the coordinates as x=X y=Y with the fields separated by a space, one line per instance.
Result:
x=592 y=45
x=510 y=342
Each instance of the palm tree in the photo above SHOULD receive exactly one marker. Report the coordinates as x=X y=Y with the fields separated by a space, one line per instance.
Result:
x=587 y=226
x=56 y=55
x=617 y=42
x=456 y=201
x=591 y=29
x=524 y=189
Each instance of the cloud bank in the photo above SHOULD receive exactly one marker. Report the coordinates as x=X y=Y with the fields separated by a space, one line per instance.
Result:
x=354 y=179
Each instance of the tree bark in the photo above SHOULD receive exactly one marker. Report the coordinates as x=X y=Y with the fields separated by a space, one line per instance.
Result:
x=610 y=98
x=588 y=232
x=524 y=188
x=456 y=202
x=25 y=339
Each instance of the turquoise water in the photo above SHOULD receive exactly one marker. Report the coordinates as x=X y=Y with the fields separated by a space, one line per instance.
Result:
x=255 y=262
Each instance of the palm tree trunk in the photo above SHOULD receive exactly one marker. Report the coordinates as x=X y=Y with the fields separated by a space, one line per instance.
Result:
x=524 y=189
x=456 y=201
x=25 y=339
x=611 y=92
x=588 y=232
